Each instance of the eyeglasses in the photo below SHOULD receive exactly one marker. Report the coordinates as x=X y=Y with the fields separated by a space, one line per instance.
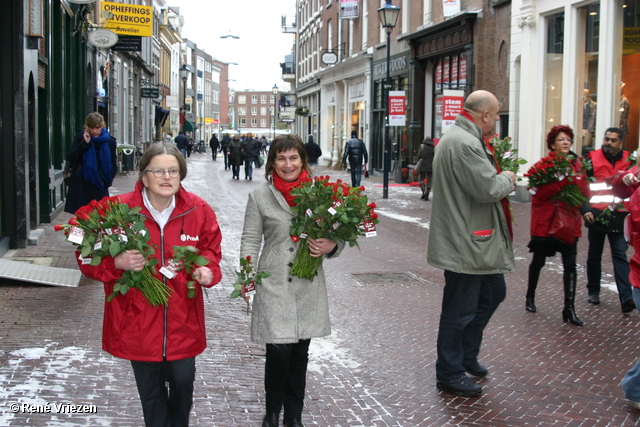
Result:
x=159 y=173
x=606 y=138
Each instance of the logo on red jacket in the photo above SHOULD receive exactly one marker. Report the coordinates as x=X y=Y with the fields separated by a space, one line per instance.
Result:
x=186 y=237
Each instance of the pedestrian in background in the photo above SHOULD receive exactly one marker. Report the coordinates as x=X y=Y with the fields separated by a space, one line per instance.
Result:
x=224 y=147
x=356 y=152
x=425 y=166
x=93 y=164
x=607 y=161
x=182 y=142
x=235 y=156
x=189 y=146
x=287 y=311
x=162 y=342
x=313 y=152
x=263 y=145
x=543 y=207
x=215 y=146
x=470 y=238
x=626 y=186
x=250 y=150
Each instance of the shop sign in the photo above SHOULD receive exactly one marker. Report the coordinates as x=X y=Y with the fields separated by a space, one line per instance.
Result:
x=128 y=19
x=356 y=89
x=631 y=38
x=452 y=103
x=450 y=7
x=329 y=58
x=208 y=120
x=128 y=44
x=103 y=38
x=397 y=108
x=349 y=9
x=149 y=92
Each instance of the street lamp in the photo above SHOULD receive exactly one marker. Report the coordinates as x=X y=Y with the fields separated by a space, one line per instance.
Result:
x=184 y=75
x=274 y=90
x=388 y=18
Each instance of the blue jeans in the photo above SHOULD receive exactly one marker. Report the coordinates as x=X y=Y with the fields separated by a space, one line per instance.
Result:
x=248 y=169
x=631 y=381
x=620 y=264
x=184 y=152
x=356 y=174
x=468 y=303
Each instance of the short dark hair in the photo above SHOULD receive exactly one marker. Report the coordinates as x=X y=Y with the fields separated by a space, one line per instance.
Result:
x=159 y=149
x=282 y=143
x=614 y=130
x=354 y=134
x=555 y=131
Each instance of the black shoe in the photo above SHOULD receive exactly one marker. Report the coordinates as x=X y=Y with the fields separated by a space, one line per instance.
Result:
x=569 y=314
x=628 y=306
x=477 y=370
x=461 y=387
x=530 y=306
x=594 y=299
x=271 y=419
x=292 y=422
x=250 y=178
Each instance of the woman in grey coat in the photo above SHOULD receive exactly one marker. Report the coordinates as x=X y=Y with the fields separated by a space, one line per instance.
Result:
x=287 y=311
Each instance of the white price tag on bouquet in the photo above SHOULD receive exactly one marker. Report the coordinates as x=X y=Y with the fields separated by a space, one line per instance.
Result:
x=76 y=234
x=249 y=289
x=170 y=270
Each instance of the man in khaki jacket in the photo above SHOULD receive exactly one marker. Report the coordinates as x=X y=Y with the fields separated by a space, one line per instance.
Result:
x=469 y=238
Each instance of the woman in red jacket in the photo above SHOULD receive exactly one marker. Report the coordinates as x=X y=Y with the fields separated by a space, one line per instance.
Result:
x=626 y=186
x=559 y=138
x=162 y=342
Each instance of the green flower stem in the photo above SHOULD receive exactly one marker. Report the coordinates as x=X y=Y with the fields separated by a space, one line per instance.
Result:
x=305 y=266
x=154 y=290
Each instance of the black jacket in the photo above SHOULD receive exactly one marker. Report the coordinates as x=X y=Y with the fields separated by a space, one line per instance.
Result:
x=250 y=149
x=355 y=151
x=313 y=151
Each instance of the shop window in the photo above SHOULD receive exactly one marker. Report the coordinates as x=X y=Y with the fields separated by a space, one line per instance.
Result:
x=587 y=70
x=629 y=85
x=553 y=69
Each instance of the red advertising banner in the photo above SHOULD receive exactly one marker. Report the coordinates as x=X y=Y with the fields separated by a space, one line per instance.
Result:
x=454 y=72
x=463 y=70
x=445 y=72
x=452 y=103
x=397 y=108
x=439 y=75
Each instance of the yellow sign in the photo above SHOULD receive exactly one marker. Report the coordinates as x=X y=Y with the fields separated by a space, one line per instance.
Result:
x=128 y=19
x=208 y=120
x=631 y=38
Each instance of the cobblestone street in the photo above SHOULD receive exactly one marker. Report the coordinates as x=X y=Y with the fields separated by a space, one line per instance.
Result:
x=378 y=366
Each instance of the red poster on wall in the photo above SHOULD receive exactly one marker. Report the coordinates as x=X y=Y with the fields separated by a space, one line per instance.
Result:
x=463 y=70
x=439 y=75
x=454 y=72
x=445 y=72
x=452 y=104
x=397 y=108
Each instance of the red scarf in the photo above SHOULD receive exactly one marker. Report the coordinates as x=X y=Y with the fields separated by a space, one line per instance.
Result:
x=506 y=207
x=286 y=187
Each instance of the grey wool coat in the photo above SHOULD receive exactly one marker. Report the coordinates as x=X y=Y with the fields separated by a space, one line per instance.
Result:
x=285 y=308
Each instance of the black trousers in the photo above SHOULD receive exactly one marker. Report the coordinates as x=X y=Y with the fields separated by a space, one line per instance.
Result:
x=162 y=407
x=285 y=377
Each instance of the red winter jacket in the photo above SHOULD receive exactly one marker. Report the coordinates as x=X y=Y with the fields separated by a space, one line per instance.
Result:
x=135 y=330
x=543 y=208
x=633 y=206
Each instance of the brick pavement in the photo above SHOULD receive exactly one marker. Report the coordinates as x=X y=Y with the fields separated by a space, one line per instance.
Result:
x=377 y=367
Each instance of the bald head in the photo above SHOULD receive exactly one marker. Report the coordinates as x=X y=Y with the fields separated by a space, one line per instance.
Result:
x=483 y=107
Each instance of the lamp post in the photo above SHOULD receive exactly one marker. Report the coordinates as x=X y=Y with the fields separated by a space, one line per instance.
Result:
x=388 y=18
x=274 y=90
x=184 y=75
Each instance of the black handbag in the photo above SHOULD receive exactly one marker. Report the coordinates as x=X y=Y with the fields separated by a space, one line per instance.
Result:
x=70 y=170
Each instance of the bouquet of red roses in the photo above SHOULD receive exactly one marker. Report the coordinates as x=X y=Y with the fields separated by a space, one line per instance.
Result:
x=108 y=228
x=554 y=168
x=332 y=210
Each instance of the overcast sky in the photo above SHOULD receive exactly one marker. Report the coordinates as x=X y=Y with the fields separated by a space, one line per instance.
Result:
x=262 y=45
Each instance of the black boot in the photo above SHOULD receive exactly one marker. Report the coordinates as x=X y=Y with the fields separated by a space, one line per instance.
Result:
x=272 y=419
x=534 y=275
x=426 y=194
x=569 y=312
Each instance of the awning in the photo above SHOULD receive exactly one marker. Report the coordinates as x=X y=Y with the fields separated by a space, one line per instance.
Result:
x=188 y=126
x=161 y=116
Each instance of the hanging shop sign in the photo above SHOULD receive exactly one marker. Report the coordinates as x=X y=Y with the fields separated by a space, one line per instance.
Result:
x=397 y=108
x=349 y=9
x=128 y=44
x=103 y=38
x=329 y=58
x=128 y=19
x=450 y=7
x=149 y=92
x=452 y=103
